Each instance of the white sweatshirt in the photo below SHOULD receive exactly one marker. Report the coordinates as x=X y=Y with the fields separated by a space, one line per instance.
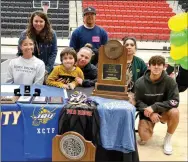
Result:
x=26 y=71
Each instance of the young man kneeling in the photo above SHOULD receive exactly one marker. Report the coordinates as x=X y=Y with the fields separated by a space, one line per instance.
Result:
x=157 y=98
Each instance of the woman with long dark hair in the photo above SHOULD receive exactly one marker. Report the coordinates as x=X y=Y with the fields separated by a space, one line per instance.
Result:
x=135 y=65
x=45 y=39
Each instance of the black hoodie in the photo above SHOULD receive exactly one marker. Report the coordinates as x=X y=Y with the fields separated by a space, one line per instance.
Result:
x=161 y=95
x=90 y=75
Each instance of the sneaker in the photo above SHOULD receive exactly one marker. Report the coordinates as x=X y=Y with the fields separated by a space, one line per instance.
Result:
x=141 y=142
x=167 y=148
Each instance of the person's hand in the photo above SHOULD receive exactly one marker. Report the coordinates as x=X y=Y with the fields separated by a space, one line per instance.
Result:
x=148 y=111
x=79 y=80
x=71 y=86
x=65 y=86
x=46 y=72
x=155 y=117
x=131 y=98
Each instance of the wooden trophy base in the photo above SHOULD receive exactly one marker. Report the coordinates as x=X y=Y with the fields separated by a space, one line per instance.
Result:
x=111 y=91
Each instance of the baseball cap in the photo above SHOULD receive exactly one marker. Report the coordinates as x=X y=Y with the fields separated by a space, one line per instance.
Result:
x=89 y=10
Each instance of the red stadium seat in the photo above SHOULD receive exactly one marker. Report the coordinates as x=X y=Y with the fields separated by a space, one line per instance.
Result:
x=144 y=19
x=164 y=37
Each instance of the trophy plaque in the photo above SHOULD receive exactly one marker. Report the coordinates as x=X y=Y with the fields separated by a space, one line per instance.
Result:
x=55 y=100
x=25 y=99
x=9 y=99
x=112 y=65
x=39 y=100
x=71 y=146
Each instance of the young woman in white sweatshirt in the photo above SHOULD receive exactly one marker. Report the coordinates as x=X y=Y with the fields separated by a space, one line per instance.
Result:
x=26 y=69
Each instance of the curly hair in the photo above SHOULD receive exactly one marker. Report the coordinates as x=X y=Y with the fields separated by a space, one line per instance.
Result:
x=46 y=33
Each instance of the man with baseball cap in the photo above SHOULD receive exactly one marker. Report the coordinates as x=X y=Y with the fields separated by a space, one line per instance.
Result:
x=89 y=10
x=89 y=33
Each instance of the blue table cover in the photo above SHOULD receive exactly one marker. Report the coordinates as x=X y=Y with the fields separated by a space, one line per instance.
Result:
x=27 y=129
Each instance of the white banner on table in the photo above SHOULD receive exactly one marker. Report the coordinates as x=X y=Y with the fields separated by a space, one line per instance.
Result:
x=9 y=88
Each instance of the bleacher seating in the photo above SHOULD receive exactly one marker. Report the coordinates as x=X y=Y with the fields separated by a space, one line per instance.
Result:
x=143 y=19
x=15 y=15
x=184 y=4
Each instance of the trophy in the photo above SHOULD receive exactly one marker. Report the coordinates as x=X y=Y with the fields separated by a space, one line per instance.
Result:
x=17 y=92
x=112 y=65
x=71 y=146
x=27 y=90
x=37 y=92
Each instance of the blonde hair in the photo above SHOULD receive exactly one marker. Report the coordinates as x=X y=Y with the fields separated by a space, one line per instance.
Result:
x=88 y=47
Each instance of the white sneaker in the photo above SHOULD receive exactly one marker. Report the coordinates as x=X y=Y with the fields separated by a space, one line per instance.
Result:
x=167 y=148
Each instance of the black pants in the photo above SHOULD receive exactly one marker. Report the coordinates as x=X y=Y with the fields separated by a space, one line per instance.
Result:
x=103 y=155
x=182 y=88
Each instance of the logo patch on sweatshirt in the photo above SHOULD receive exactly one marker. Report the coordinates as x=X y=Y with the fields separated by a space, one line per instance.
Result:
x=173 y=102
x=95 y=39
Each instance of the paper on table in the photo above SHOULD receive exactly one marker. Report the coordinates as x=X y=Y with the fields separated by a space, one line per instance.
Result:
x=24 y=98
x=65 y=93
x=39 y=98
x=9 y=88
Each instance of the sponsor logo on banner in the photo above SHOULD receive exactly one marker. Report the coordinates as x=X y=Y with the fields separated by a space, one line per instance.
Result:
x=42 y=116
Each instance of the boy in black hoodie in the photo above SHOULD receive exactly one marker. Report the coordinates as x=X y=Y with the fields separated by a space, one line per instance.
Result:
x=157 y=98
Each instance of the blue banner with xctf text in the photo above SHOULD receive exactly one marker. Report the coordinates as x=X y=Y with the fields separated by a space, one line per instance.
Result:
x=40 y=126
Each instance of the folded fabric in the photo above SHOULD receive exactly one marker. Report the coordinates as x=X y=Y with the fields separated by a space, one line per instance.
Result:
x=117 y=120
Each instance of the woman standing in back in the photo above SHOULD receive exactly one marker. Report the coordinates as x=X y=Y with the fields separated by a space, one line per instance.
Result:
x=135 y=65
x=45 y=40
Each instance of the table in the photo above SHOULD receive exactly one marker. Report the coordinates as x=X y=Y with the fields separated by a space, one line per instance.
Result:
x=26 y=138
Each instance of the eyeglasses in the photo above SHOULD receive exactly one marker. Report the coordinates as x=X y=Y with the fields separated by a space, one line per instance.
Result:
x=131 y=44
